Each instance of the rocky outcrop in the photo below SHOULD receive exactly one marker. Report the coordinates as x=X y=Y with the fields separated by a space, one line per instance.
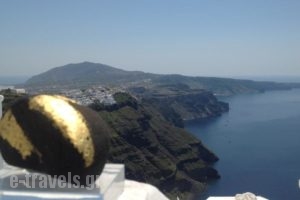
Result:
x=156 y=152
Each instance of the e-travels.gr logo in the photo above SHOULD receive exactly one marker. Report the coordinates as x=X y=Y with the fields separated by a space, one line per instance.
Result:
x=41 y=181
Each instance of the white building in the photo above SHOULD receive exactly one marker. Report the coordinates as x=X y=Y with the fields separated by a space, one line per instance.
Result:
x=20 y=91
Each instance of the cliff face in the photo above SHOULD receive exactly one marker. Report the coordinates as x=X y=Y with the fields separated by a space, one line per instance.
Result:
x=178 y=103
x=156 y=152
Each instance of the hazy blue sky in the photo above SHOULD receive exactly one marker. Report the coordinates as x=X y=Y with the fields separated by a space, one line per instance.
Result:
x=192 y=37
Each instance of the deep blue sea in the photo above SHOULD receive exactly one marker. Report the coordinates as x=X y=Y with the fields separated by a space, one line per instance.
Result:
x=258 y=143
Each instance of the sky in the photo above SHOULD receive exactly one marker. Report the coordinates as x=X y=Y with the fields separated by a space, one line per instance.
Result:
x=190 y=37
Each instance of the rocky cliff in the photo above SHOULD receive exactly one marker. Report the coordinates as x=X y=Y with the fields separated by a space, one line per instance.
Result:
x=155 y=151
x=178 y=103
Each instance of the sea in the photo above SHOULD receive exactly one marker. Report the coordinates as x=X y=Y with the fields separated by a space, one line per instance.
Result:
x=258 y=143
x=10 y=81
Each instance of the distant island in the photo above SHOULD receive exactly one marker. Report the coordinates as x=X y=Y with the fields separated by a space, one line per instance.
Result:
x=147 y=113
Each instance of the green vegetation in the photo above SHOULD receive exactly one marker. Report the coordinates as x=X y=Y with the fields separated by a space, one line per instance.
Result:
x=122 y=97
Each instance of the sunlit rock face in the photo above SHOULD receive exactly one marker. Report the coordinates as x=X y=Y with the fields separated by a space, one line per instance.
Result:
x=54 y=135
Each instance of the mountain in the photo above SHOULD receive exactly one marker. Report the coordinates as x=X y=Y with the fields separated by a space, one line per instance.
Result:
x=87 y=73
x=84 y=74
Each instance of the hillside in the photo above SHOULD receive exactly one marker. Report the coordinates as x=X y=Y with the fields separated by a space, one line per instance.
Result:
x=225 y=86
x=87 y=73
